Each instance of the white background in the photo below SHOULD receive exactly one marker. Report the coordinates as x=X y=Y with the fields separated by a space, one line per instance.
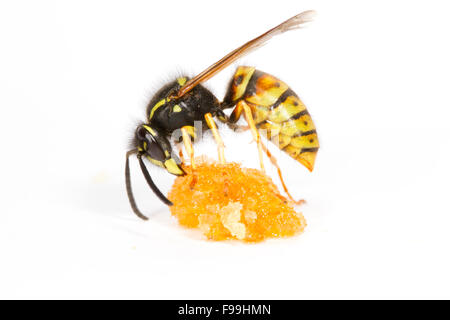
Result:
x=75 y=77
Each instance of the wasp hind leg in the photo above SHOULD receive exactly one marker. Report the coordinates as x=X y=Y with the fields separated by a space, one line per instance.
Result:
x=273 y=160
x=242 y=107
x=220 y=145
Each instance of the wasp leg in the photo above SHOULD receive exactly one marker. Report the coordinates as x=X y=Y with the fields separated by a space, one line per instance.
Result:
x=273 y=160
x=237 y=127
x=236 y=114
x=180 y=151
x=219 y=114
x=248 y=116
x=231 y=121
x=188 y=145
x=220 y=146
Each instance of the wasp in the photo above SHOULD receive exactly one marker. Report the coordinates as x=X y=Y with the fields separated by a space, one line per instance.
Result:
x=265 y=101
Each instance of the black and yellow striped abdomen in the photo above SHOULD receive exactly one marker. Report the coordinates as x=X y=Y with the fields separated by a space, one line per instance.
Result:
x=278 y=112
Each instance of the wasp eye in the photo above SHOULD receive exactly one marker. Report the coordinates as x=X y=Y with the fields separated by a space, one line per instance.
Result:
x=154 y=150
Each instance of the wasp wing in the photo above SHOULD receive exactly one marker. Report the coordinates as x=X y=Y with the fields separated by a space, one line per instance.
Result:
x=293 y=23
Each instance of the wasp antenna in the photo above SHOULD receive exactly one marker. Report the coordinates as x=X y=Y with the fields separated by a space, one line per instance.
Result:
x=293 y=23
x=152 y=184
x=129 y=189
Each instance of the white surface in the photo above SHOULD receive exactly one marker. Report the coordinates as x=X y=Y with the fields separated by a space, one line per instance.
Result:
x=75 y=78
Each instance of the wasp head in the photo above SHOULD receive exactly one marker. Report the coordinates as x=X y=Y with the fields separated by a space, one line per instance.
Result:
x=156 y=148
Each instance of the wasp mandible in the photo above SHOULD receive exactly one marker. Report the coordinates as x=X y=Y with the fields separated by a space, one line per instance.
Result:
x=266 y=102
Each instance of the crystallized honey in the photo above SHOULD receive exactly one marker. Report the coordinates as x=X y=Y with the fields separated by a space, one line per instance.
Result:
x=226 y=201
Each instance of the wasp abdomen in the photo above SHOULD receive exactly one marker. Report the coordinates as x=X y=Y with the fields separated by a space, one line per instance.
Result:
x=278 y=111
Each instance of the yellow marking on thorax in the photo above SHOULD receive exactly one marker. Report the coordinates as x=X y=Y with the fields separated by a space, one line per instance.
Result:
x=149 y=129
x=245 y=73
x=156 y=106
x=176 y=108
x=181 y=81
x=268 y=90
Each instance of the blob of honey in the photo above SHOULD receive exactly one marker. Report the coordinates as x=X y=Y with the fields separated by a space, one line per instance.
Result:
x=227 y=201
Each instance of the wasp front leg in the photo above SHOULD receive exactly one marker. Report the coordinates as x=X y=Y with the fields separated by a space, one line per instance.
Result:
x=180 y=151
x=220 y=145
x=187 y=132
